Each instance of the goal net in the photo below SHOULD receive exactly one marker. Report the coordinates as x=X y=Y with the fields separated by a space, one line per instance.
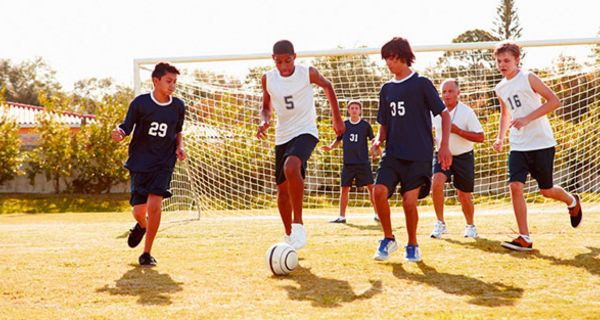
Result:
x=230 y=172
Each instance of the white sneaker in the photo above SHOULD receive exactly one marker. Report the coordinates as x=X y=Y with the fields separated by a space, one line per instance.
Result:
x=288 y=240
x=438 y=229
x=385 y=248
x=470 y=231
x=298 y=236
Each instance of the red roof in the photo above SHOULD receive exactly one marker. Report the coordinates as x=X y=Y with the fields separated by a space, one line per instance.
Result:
x=26 y=115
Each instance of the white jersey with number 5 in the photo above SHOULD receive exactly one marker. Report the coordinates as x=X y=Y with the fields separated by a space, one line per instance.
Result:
x=293 y=101
x=521 y=100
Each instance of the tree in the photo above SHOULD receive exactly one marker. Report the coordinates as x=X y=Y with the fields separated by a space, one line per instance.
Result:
x=26 y=81
x=506 y=25
x=10 y=144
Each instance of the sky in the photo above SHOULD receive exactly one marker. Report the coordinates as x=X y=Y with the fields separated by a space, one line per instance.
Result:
x=89 y=38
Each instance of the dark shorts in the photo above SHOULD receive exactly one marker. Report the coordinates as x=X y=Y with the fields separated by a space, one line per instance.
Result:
x=361 y=172
x=462 y=169
x=144 y=183
x=540 y=163
x=301 y=146
x=410 y=175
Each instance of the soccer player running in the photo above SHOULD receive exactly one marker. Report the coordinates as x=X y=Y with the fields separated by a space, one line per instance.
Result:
x=357 y=165
x=405 y=106
x=532 y=143
x=155 y=121
x=465 y=130
x=287 y=89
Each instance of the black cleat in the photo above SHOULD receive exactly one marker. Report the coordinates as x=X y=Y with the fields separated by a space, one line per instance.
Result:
x=146 y=260
x=576 y=213
x=135 y=236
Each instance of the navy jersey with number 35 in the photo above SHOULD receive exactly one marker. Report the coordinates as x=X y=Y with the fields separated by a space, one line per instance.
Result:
x=154 y=140
x=405 y=108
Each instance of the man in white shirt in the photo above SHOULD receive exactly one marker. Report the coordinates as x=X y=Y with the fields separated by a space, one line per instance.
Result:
x=465 y=130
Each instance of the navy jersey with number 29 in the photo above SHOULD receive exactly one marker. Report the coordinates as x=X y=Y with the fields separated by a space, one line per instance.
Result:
x=154 y=139
x=405 y=108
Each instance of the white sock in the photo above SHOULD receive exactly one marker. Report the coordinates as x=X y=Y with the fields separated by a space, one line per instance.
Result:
x=526 y=238
x=573 y=202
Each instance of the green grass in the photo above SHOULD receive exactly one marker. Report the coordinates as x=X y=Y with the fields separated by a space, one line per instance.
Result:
x=61 y=203
x=78 y=266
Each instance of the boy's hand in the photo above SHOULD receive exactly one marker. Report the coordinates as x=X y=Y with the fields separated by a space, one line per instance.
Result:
x=338 y=126
x=117 y=135
x=262 y=130
x=375 y=149
x=497 y=145
x=181 y=154
x=519 y=123
x=326 y=148
x=445 y=158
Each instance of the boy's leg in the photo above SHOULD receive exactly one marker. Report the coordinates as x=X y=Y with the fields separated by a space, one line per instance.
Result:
x=437 y=194
x=382 y=206
x=154 y=215
x=409 y=204
x=293 y=176
x=466 y=202
x=372 y=198
x=284 y=205
x=558 y=193
x=344 y=195
x=139 y=214
x=519 y=206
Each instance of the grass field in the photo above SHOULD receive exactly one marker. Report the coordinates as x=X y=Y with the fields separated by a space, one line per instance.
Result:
x=78 y=266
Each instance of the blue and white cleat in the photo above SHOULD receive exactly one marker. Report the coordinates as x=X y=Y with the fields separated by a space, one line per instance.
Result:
x=413 y=254
x=386 y=247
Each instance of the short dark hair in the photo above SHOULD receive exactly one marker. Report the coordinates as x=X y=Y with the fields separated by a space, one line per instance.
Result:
x=356 y=102
x=508 y=46
x=163 y=68
x=398 y=48
x=283 y=47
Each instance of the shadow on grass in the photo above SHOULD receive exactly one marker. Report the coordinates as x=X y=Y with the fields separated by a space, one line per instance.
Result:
x=153 y=288
x=494 y=294
x=585 y=261
x=325 y=292
x=370 y=227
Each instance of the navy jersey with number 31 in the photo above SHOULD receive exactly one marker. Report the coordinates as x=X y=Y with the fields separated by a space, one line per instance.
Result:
x=405 y=108
x=154 y=140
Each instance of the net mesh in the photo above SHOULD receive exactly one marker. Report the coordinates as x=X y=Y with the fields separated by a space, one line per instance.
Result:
x=229 y=171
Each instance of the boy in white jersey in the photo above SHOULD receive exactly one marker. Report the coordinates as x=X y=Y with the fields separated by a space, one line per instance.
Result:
x=465 y=130
x=531 y=140
x=287 y=89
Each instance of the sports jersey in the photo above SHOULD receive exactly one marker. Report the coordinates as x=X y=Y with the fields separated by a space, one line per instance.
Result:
x=405 y=108
x=293 y=101
x=463 y=117
x=356 y=148
x=155 y=126
x=521 y=100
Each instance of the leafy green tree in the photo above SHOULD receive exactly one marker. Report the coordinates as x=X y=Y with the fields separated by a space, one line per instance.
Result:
x=26 y=81
x=10 y=144
x=506 y=25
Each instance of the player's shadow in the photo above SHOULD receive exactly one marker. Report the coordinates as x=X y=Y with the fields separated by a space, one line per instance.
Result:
x=495 y=294
x=370 y=227
x=585 y=261
x=326 y=292
x=152 y=287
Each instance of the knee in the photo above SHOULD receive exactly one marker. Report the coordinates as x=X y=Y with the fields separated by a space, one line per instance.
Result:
x=292 y=167
x=546 y=192
x=516 y=188
x=437 y=182
x=464 y=197
x=380 y=192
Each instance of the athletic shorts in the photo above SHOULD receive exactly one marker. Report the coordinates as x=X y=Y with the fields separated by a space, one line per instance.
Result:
x=540 y=163
x=410 y=175
x=360 y=172
x=144 y=183
x=301 y=146
x=462 y=169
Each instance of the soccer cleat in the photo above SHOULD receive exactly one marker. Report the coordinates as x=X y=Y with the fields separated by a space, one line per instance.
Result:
x=438 y=229
x=298 y=236
x=135 y=236
x=518 y=244
x=575 y=213
x=386 y=247
x=146 y=260
x=470 y=231
x=413 y=254
x=339 y=219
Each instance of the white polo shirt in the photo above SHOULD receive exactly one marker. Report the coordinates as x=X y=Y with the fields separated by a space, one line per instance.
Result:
x=464 y=118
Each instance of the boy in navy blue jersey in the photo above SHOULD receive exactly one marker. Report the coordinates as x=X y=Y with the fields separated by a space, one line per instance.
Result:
x=356 y=157
x=155 y=121
x=405 y=106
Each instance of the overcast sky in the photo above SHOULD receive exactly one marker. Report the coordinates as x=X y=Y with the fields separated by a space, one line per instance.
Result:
x=83 y=39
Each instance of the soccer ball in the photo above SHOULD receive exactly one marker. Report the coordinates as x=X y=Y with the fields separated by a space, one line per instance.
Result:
x=281 y=258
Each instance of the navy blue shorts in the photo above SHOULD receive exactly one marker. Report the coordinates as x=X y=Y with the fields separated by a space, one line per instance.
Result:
x=540 y=163
x=144 y=183
x=360 y=172
x=462 y=169
x=410 y=175
x=301 y=146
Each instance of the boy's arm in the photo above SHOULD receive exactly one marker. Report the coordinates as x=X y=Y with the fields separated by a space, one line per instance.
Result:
x=332 y=145
x=180 y=151
x=318 y=79
x=125 y=128
x=444 y=155
x=552 y=103
x=265 y=112
x=472 y=123
x=379 y=139
x=504 y=124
